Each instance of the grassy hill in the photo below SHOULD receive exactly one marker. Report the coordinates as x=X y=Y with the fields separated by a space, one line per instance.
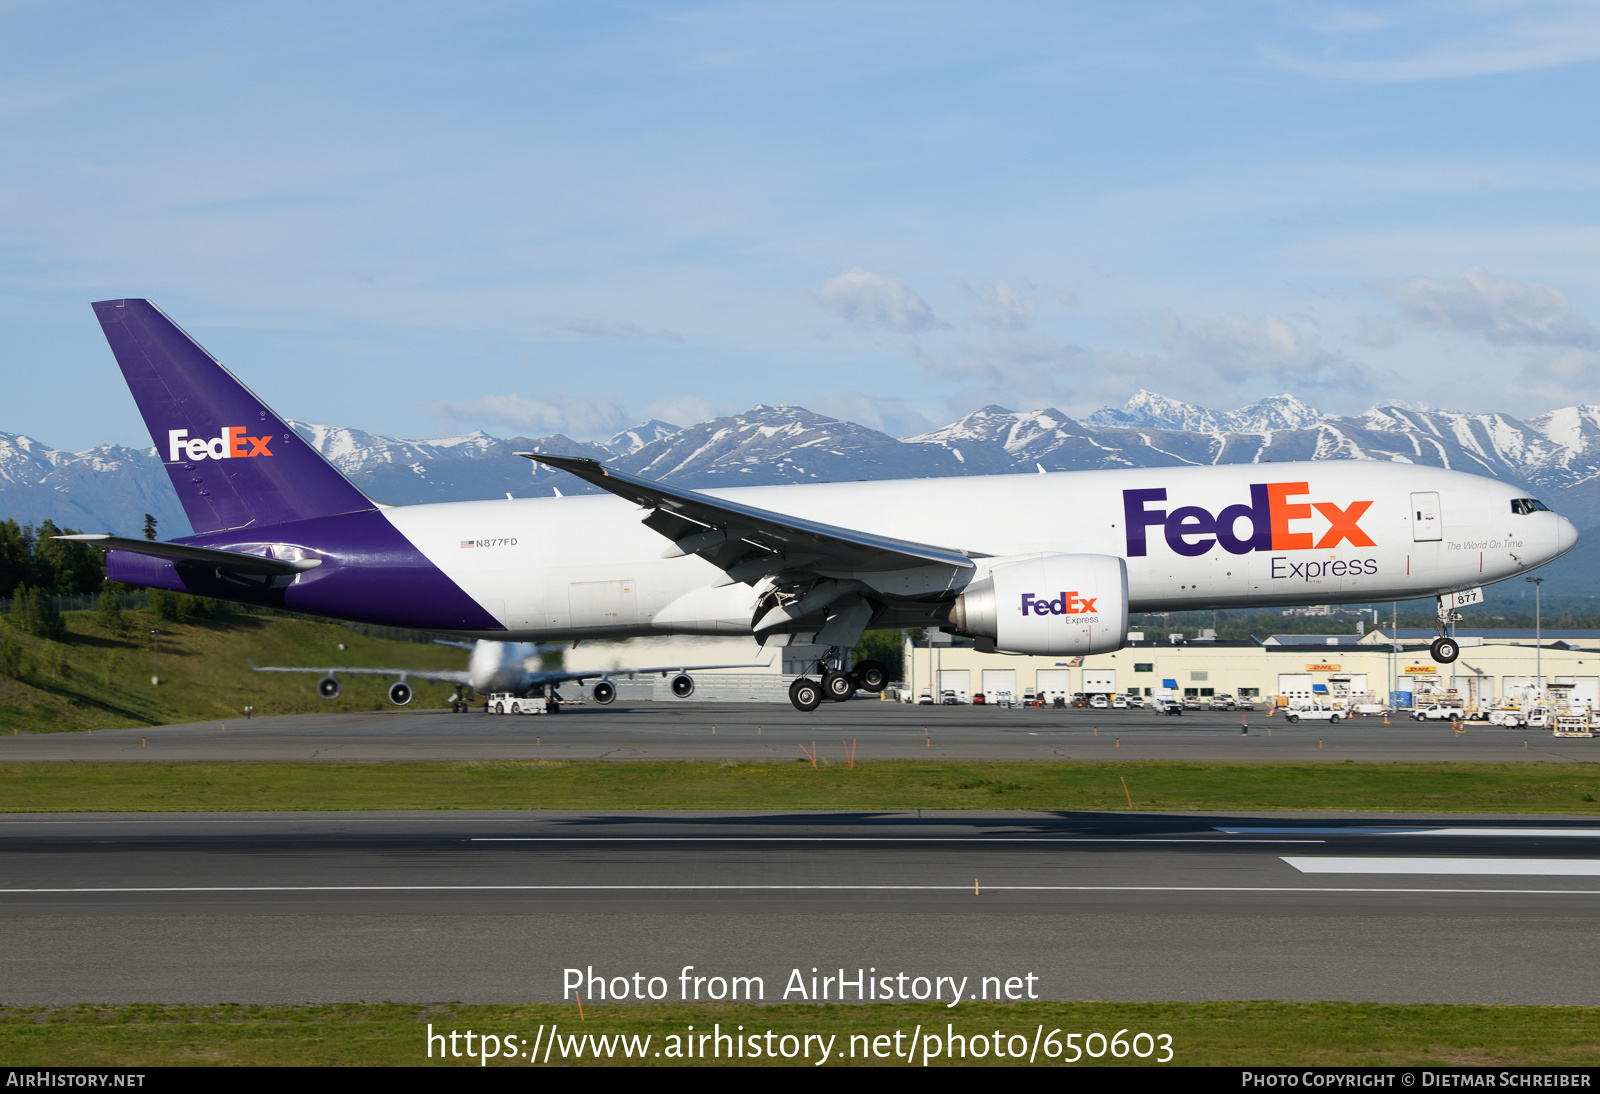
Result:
x=98 y=677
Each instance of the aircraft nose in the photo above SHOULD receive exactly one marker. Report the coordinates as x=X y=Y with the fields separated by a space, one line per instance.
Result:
x=1566 y=535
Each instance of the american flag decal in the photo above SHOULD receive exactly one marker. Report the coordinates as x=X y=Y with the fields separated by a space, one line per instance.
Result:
x=468 y=543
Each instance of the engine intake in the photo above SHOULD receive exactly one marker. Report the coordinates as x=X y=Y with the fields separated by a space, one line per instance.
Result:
x=1050 y=604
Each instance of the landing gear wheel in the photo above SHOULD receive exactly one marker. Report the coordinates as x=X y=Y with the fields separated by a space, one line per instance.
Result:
x=871 y=677
x=1444 y=650
x=837 y=685
x=805 y=695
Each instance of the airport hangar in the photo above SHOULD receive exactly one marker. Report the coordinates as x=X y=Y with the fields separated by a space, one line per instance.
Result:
x=1493 y=663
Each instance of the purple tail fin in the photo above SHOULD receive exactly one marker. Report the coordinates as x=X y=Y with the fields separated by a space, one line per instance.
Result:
x=232 y=460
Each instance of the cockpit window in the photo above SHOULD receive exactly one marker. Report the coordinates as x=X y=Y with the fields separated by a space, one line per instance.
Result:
x=1523 y=506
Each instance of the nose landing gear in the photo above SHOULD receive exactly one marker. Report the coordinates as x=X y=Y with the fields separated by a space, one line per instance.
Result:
x=1445 y=649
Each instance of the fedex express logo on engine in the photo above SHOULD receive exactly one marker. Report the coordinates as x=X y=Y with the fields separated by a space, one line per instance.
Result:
x=1277 y=522
x=1068 y=603
x=232 y=444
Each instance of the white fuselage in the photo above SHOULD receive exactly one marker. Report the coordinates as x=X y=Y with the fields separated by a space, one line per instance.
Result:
x=585 y=566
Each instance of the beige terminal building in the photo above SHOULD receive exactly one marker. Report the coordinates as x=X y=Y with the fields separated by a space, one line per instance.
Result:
x=1493 y=663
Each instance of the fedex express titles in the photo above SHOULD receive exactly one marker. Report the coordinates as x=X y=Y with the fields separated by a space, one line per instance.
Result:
x=1273 y=513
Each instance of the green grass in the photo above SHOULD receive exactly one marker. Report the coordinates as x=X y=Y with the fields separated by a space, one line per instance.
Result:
x=1154 y=785
x=1238 y=1034
x=96 y=678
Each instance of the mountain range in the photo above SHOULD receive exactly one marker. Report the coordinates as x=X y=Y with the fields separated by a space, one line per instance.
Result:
x=1557 y=454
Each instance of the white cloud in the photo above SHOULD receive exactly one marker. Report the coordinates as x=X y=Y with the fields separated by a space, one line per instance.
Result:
x=875 y=300
x=1225 y=361
x=624 y=331
x=581 y=417
x=1562 y=378
x=684 y=410
x=1377 y=333
x=1432 y=40
x=1035 y=370
x=1236 y=349
x=1001 y=305
x=1496 y=309
x=887 y=414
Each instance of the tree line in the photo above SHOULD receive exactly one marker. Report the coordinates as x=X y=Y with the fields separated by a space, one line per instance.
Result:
x=31 y=559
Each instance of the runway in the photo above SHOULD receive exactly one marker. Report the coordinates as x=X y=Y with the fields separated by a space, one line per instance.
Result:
x=495 y=906
x=755 y=732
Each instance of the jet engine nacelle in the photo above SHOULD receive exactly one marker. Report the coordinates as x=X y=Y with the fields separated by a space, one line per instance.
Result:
x=328 y=687
x=1050 y=604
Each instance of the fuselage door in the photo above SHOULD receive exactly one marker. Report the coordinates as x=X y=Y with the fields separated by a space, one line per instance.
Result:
x=1426 y=524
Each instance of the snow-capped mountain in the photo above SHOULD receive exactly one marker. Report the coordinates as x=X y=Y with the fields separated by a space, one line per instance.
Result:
x=631 y=440
x=776 y=444
x=1146 y=408
x=106 y=489
x=1557 y=453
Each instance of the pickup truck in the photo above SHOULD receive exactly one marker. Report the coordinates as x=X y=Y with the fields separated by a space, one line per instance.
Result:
x=1438 y=713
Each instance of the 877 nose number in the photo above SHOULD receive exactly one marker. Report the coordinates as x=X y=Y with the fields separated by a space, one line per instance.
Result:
x=1075 y=1046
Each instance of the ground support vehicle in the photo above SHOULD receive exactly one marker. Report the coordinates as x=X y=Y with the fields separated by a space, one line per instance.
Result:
x=503 y=702
x=1573 y=722
x=1438 y=712
x=1314 y=712
x=1167 y=706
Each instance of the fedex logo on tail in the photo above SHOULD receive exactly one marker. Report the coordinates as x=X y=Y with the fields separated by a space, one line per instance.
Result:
x=1277 y=522
x=1068 y=603
x=231 y=444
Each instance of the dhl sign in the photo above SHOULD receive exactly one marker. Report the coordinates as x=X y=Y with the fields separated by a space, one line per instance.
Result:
x=1322 y=668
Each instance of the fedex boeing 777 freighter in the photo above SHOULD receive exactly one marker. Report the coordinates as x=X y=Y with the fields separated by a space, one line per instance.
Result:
x=1042 y=564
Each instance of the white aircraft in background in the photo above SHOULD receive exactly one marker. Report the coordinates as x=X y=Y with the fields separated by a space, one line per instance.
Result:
x=516 y=668
x=1049 y=564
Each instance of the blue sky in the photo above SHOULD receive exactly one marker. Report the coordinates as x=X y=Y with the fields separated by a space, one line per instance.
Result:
x=421 y=219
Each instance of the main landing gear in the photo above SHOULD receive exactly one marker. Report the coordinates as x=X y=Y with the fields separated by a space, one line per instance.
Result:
x=837 y=683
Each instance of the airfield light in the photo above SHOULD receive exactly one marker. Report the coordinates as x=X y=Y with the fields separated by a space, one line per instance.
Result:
x=1538 y=639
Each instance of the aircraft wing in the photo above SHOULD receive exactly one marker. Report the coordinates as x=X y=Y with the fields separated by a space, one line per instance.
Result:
x=750 y=543
x=236 y=561
x=442 y=676
x=560 y=676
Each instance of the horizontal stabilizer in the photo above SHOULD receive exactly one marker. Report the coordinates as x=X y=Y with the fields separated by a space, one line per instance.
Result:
x=234 y=561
